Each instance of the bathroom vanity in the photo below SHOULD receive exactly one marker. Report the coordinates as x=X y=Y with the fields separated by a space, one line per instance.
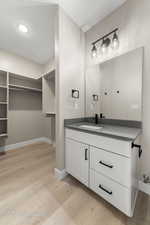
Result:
x=102 y=158
x=105 y=157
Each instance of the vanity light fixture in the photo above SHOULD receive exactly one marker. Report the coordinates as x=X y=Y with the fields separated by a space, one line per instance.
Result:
x=106 y=41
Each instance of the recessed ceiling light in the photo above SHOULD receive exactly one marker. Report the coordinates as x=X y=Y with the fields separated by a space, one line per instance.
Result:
x=22 y=28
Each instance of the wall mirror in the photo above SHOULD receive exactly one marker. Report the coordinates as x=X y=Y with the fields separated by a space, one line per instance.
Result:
x=117 y=83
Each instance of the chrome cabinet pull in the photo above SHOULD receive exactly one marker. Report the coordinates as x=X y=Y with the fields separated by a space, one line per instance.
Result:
x=104 y=189
x=104 y=164
x=86 y=154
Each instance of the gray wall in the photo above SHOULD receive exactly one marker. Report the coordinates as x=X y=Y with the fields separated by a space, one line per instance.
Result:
x=133 y=20
x=25 y=120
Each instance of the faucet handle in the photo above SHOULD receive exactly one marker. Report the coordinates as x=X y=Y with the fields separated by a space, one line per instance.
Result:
x=102 y=116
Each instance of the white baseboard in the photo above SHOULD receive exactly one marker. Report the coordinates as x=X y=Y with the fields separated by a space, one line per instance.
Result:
x=24 y=143
x=47 y=140
x=60 y=174
x=144 y=187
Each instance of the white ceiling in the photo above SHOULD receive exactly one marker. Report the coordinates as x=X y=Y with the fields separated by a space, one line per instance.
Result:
x=38 y=16
x=38 y=44
x=87 y=13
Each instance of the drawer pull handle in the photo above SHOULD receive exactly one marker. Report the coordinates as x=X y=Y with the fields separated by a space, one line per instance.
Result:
x=86 y=154
x=139 y=147
x=104 y=164
x=102 y=188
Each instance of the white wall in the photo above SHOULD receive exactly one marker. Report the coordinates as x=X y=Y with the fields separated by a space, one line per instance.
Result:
x=133 y=20
x=50 y=66
x=19 y=65
x=69 y=75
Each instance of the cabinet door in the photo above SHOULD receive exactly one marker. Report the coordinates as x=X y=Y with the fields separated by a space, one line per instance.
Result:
x=77 y=160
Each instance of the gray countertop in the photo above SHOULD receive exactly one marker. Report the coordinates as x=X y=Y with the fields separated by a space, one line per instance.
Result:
x=119 y=132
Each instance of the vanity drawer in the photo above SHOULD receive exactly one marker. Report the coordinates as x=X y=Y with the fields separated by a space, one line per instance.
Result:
x=118 y=146
x=112 y=165
x=111 y=191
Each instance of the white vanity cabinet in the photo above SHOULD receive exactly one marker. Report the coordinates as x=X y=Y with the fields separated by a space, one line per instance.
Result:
x=108 y=166
x=77 y=160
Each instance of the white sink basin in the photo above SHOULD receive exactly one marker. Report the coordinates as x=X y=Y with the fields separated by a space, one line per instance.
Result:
x=90 y=127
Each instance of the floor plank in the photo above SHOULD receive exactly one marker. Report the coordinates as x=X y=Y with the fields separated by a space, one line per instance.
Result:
x=31 y=195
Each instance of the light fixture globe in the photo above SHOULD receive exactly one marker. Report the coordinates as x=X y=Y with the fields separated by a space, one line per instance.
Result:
x=94 y=51
x=105 y=44
x=115 y=41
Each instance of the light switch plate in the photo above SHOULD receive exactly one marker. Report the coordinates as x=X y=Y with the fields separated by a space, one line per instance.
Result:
x=95 y=98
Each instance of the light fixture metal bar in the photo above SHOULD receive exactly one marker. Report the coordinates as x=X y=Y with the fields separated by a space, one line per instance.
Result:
x=113 y=31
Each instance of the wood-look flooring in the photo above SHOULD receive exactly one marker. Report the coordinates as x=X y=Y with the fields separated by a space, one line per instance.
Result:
x=31 y=195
